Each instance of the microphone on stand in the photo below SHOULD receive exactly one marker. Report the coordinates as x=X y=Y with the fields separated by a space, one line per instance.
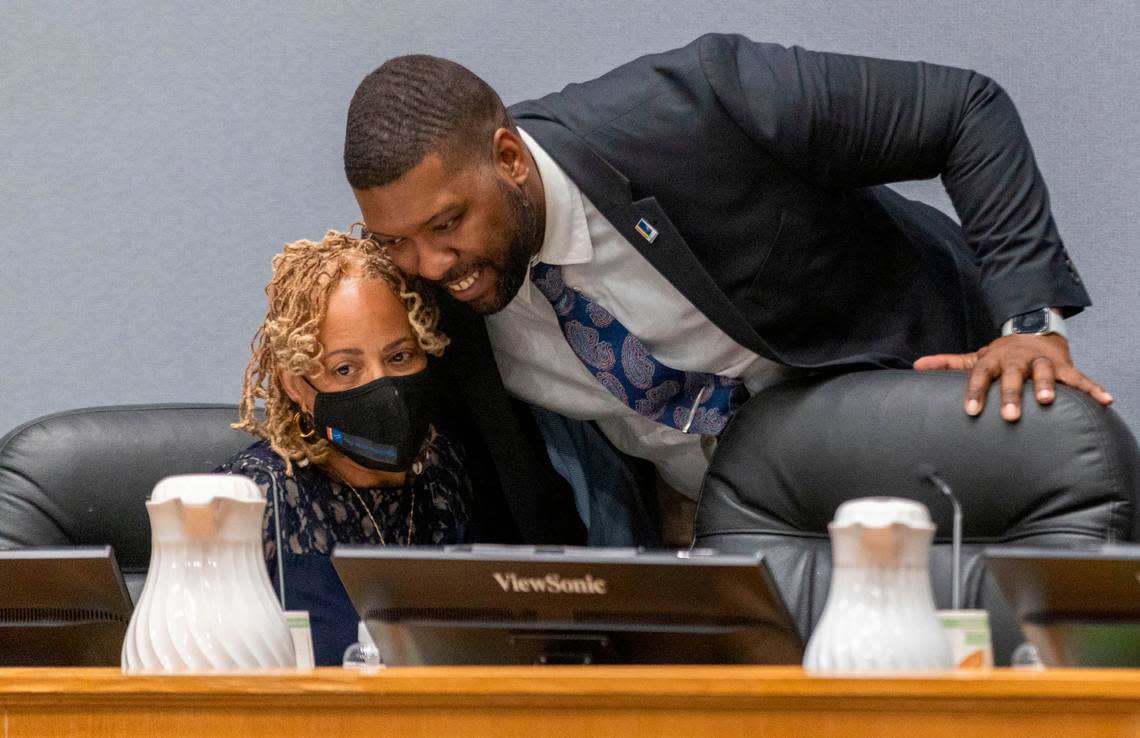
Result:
x=927 y=474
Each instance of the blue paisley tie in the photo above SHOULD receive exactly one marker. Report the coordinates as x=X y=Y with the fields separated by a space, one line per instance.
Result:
x=693 y=402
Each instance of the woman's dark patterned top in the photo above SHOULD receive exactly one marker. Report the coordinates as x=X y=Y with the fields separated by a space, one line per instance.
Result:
x=317 y=512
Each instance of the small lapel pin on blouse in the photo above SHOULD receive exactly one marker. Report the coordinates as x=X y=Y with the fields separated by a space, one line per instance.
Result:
x=646 y=229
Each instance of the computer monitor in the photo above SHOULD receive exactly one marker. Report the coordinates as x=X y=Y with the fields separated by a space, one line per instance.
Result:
x=65 y=606
x=546 y=605
x=1077 y=607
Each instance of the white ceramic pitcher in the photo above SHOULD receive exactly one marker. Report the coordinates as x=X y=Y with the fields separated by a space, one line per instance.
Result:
x=207 y=605
x=880 y=612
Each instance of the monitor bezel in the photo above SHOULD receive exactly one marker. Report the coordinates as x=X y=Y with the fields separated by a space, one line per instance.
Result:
x=1068 y=603
x=70 y=625
x=424 y=642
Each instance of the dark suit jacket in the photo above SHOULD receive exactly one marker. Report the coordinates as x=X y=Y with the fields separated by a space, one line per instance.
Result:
x=762 y=168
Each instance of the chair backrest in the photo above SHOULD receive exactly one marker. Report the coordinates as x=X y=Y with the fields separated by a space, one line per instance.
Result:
x=82 y=477
x=1065 y=475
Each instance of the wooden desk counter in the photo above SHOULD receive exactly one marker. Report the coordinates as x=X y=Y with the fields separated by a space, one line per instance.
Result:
x=567 y=701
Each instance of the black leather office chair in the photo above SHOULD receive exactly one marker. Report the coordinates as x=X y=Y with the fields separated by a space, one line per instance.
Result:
x=82 y=477
x=1065 y=475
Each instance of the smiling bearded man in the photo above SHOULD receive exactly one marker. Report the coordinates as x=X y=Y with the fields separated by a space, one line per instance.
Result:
x=701 y=224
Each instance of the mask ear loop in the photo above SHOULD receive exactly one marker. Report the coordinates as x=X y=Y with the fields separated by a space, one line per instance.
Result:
x=424 y=456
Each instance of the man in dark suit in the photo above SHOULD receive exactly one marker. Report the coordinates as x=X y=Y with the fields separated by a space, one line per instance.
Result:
x=652 y=245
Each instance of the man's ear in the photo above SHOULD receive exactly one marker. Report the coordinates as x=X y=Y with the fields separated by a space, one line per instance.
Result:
x=299 y=391
x=511 y=156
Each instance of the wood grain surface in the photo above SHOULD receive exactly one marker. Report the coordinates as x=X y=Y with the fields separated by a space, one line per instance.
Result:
x=570 y=701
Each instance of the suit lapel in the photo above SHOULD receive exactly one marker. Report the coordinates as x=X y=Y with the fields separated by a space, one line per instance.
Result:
x=667 y=251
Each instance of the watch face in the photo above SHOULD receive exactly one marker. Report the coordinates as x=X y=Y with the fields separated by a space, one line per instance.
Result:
x=1034 y=322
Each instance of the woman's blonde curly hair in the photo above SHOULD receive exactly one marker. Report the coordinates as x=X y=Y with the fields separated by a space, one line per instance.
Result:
x=304 y=275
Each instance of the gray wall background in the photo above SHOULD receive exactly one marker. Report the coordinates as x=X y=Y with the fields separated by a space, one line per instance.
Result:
x=155 y=155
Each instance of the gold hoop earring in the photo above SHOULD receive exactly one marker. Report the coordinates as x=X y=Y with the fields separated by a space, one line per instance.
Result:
x=308 y=436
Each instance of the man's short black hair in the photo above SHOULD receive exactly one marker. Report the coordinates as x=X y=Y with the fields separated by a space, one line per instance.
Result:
x=412 y=106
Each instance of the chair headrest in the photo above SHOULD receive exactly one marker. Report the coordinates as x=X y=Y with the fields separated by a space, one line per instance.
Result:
x=796 y=451
x=82 y=476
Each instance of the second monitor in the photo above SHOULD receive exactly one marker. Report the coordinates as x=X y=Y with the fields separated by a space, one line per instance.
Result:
x=527 y=605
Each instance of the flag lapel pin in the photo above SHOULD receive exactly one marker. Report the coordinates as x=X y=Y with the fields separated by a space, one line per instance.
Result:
x=646 y=229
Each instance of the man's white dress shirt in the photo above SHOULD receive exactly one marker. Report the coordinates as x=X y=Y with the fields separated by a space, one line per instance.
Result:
x=539 y=367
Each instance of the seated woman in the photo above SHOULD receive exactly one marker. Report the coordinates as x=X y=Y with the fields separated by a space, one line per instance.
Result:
x=350 y=450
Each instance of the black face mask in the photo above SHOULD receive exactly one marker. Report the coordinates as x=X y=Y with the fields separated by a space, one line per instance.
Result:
x=382 y=424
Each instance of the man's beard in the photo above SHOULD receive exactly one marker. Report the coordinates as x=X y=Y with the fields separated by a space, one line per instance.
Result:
x=524 y=239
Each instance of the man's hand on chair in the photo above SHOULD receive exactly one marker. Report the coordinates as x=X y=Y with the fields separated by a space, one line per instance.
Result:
x=1044 y=359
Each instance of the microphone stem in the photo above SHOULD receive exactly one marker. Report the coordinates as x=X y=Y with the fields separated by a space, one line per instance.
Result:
x=956 y=543
x=956 y=591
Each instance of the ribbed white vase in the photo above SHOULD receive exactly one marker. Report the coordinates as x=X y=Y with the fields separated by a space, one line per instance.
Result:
x=880 y=614
x=207 y=605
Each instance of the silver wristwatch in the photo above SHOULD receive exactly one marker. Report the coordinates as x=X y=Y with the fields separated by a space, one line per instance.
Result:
x=1036 y=322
